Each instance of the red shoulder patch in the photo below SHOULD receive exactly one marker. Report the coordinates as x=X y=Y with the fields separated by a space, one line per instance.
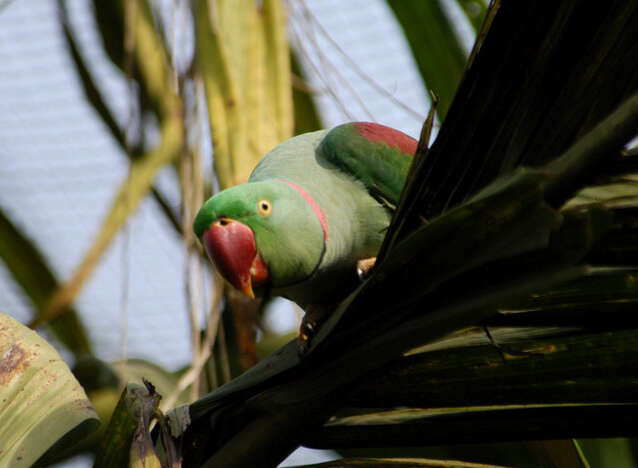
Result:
x=380 y=133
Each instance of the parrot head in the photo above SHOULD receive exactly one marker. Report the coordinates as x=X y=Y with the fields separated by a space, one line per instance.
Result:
x=261 y=235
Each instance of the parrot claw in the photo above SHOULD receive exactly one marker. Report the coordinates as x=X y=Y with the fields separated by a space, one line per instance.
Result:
x=364 y=267
x=314 y=317
x=307 y=332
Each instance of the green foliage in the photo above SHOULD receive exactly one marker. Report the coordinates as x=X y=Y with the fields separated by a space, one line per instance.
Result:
x=127 y=439
x=43 y=409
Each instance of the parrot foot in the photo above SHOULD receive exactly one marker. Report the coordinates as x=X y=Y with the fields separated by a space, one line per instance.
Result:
x=314 y=317
x=364 y=267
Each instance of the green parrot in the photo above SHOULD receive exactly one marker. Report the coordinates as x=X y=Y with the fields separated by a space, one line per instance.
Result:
x=313 y=207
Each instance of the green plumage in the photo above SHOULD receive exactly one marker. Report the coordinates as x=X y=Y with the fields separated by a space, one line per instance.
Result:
x=381 y=168
x=324 y=188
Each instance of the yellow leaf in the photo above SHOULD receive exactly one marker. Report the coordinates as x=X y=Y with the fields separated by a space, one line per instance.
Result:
x=40 y=400
x=245 y=68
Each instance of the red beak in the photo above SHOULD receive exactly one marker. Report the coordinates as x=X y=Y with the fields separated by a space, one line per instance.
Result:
x=231 y=247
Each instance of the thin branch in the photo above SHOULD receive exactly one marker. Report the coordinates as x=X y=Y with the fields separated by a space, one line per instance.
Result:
x=302 y=85
x=199 y=361
x=368 y=78
x=223 y=353
x=192 y=296
x=327 y=63
x=304 y=52
x=190 y=171
x=214 y=317
x=129 y=47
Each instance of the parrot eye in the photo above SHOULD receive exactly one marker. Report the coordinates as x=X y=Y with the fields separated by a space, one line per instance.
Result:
x=264 y=207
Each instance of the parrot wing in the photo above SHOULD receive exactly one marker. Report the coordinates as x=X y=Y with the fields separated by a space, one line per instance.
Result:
x=378 y=156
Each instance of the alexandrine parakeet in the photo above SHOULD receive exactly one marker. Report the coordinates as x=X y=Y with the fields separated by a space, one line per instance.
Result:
x=313 y=207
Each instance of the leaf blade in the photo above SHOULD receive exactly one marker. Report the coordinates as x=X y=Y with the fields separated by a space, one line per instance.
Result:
x=41 y=403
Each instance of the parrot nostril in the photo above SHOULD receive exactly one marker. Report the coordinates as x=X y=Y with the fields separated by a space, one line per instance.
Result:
x=223 y=222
